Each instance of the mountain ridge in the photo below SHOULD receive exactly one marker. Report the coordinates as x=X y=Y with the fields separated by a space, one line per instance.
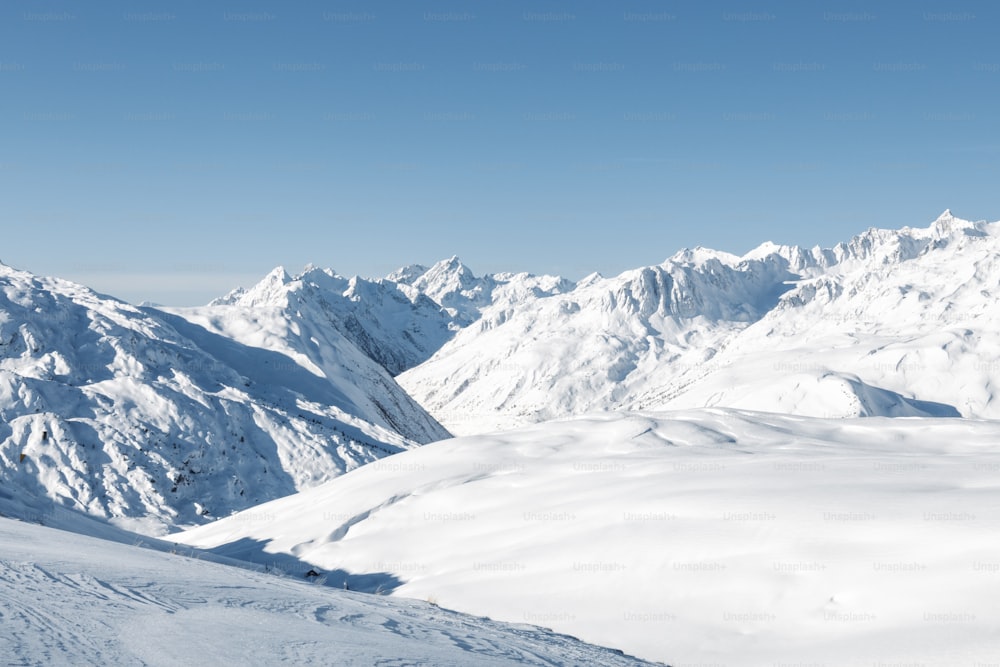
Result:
x=649 y=337
x=146 y=418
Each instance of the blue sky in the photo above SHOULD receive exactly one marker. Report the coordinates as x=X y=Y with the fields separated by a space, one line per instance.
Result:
x=170 y=151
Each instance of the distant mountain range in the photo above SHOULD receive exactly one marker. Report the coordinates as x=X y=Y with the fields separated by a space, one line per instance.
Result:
x=892 y=323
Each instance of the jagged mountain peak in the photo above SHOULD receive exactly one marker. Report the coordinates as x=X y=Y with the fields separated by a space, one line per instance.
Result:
x=449 y=272
x=948 y=225
x=454 y=286
x=405 y=275
x=278 y=276
x=764 y=249
x=394 y=324
x=701 y=254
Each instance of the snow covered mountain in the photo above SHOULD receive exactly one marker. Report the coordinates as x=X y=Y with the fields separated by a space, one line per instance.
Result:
x=893 y=323
x=690 y=537
x=73 y=600
x=397 y=329
x=464 y=295
x=141 y=415
x=717 y=532
x=912 y=312
x=399 y=321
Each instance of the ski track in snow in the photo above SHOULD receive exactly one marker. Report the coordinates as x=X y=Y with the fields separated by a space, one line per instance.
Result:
x=72 y=599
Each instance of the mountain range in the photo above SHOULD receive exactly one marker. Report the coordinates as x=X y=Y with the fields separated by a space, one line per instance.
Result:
x=175 y=416
x=891 y=323
x=157 y=420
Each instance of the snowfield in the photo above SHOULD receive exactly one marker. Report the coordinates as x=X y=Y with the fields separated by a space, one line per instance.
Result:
x=67 y=599
x=692 y=538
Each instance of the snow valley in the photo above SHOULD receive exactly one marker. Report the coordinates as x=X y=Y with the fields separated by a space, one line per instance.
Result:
x=784 y=456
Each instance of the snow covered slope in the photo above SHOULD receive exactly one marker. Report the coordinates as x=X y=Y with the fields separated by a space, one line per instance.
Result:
x=913 y=312
x=70 y=599
x=312 y=344
x=893 y=323
x=396 y=327
x=138 y=414
x=699 y=537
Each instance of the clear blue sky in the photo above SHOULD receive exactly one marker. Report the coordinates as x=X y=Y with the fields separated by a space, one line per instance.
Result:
x=173 y=150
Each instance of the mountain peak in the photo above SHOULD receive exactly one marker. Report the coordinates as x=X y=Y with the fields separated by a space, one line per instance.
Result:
x=453 y=263
x=763 y=250
x=700 y=254
x=277 y=275
x=947 y=224
x=446 y=271
x=406 y=275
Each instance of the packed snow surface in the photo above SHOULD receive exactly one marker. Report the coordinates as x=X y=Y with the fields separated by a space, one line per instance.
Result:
x=690 y=537
x=70 y=599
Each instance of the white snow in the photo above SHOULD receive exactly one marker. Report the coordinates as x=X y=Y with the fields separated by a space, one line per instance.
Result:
x=393 y=324
x=694 y=538
x=464 y=295
x=784 y=458
x=155 y=421
x=892 y=323
x=72 y=599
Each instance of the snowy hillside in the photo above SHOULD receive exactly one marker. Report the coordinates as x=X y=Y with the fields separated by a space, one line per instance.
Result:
x=143 y=416
x=913 y=312
x=71 y=599
x=699 y=537
x=312 y=344
x=894 y=323
x=396 y=328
